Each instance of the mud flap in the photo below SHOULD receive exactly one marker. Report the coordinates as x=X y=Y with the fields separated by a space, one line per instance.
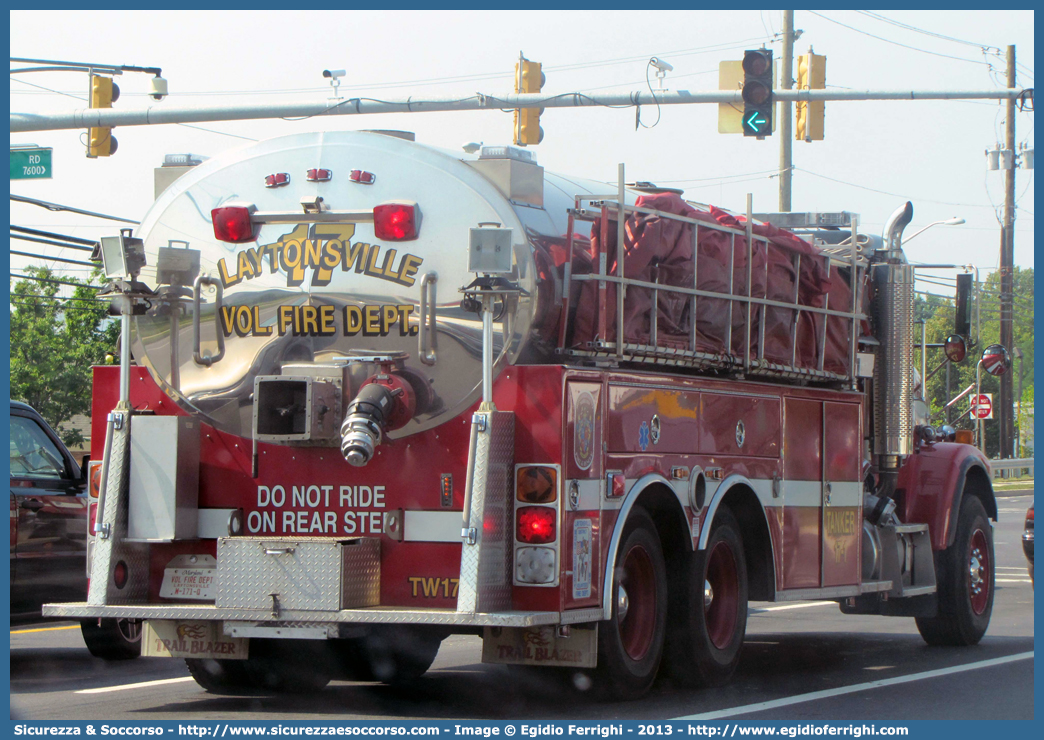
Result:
x=575 y=646
x=164 y=638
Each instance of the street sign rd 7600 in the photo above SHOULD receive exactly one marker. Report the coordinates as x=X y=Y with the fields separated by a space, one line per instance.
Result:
x=31 y=164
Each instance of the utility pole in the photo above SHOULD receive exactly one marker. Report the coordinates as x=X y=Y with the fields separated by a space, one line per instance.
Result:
x=1007 y=270
x=786 y=139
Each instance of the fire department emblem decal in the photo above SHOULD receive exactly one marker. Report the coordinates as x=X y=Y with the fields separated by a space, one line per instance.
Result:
x=583 y=431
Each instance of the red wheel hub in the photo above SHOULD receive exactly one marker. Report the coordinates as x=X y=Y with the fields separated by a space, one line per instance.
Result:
x=979 y=572
x=638 y=624
x=721 y=593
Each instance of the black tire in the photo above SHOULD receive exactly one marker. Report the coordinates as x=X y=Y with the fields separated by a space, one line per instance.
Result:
x=965 y=577
x=705 y=638
x=630 y=644
x=288 y=666
x=222 y=677
x=112 y=639
x=350 y=659
x=399 y=655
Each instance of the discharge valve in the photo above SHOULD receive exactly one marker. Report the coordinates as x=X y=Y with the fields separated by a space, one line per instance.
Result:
x=384 y=403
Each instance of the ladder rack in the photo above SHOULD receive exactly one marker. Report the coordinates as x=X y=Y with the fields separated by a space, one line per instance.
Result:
x=603 y=210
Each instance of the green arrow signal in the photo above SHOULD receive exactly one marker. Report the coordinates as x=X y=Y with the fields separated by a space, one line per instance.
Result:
x=754 y=122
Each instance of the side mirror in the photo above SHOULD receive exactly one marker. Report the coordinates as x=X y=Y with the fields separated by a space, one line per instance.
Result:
x=84 y=464
x=955 y=348
x=996 y=360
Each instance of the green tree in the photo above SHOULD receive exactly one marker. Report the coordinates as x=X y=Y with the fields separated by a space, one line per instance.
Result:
x=939 y=313
x=54 y=343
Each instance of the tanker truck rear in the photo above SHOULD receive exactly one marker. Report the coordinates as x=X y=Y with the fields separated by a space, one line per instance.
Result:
x=374 y=393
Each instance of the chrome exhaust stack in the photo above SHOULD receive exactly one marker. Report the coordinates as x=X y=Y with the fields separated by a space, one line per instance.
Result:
x=893 y=377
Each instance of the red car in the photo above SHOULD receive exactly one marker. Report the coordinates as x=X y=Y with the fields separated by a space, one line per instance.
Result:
x=1027 y=541
x=49 y=534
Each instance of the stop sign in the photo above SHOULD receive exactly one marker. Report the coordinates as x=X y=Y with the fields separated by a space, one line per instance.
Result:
x=982 y=406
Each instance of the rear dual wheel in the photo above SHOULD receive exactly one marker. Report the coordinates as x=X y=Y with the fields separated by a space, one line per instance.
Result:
x=630 y=644
x=709 y=609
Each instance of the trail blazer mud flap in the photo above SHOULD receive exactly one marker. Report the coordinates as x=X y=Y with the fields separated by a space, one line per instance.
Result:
x=575 y=647
x=170 y=639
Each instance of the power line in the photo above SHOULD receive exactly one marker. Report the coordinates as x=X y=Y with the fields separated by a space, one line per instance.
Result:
x=58 y=207
x=885 y=192
x=50 y=242
x=51 y=234
x=56 y=282
x=889 y=41
x=878 y=16
x=55 y=259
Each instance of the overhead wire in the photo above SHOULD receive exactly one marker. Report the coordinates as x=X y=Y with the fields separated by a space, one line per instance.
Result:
x=885 y=192
x=889 y=41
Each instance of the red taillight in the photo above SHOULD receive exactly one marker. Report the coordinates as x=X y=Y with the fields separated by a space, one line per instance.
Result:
x=232 y=224
x=92 y=516
x=361 y=176
x=535 y=525
x=318 y=175
x=395 y=222
x=277 y=180
x=94 y=480
x=119 y=574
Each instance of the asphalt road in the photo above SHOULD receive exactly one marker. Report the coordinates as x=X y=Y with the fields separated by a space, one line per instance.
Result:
x=801 y=662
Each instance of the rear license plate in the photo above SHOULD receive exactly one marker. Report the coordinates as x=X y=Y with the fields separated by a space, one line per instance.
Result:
x=188 y=583
x=162 y=638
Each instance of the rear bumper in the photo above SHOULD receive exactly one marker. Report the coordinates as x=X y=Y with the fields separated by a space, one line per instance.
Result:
x=370 y=615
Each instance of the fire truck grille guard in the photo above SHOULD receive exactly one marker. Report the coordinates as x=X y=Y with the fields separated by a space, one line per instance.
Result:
x=650 y=354
x=290 y=617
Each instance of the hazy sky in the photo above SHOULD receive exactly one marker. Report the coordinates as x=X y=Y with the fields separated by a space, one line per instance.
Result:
x=875 y=156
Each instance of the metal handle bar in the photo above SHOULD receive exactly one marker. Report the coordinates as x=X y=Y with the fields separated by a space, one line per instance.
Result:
x=197 y=292
x=427 y=338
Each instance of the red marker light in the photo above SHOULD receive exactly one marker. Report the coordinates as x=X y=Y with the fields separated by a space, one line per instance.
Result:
x=362 y=177
x=277 y=180
x=318 y=175
x=119 y=574
x=535 y=525
x=232 y=224
x=395 y=222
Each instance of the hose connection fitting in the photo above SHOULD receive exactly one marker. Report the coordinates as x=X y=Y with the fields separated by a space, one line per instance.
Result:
x=385 y=402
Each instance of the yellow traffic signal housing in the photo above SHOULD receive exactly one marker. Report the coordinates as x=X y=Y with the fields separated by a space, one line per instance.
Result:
x=809 y=115
x=100 y=141
x=528 y=79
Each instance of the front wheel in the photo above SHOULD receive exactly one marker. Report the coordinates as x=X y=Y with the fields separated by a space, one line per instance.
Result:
x=709 y=609
x=630 y=644
x=112 y=639
x=965 y=576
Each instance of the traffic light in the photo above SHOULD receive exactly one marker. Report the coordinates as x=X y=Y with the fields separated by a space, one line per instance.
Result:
x=757 y=92
x=528 y=79
x=104 y=92
x=811 y=75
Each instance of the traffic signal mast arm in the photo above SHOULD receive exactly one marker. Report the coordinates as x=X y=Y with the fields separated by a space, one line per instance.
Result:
x=98 y=117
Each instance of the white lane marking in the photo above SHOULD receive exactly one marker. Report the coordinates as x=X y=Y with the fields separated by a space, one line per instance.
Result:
x=142 y=685
x=792 y=606
x=801 y=698
x=1013 y=580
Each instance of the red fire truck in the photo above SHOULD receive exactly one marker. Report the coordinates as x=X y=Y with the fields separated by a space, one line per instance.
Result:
x=374 y=393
